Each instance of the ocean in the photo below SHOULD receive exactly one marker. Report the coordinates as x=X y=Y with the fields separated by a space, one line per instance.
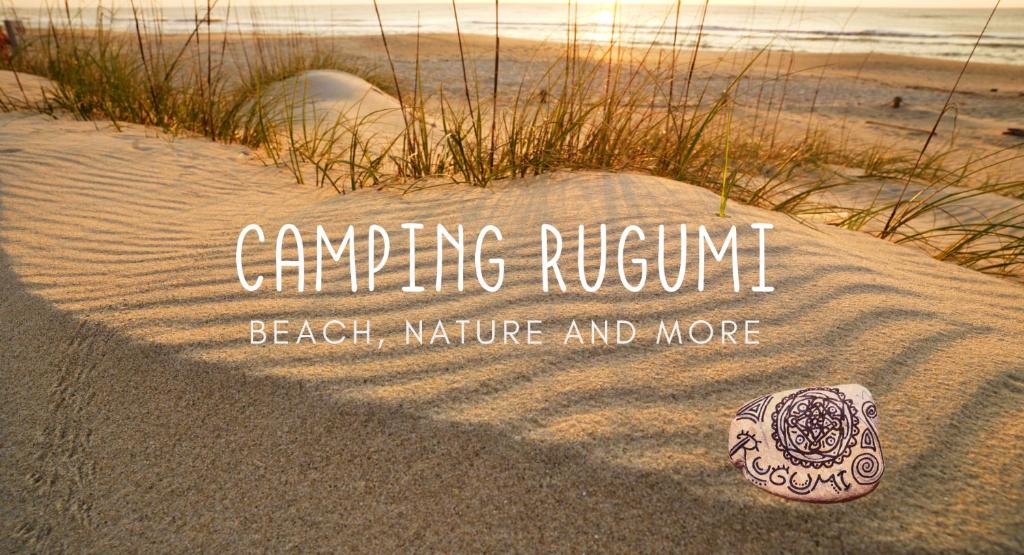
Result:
x=935 y=33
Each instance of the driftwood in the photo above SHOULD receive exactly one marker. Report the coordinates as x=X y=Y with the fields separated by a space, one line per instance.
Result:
x=1014 y=131
x=903 y=127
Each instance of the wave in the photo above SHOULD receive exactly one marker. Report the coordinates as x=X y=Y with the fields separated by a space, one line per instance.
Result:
x=884 y=31
x=747 y=29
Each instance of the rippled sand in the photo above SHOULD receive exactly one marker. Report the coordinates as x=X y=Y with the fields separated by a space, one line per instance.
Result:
x=134 y=415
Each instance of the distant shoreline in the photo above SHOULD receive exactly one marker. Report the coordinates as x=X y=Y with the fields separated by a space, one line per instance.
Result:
x=934 y=33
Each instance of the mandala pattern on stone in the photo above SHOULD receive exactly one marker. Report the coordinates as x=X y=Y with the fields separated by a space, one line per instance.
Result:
x=815 y=427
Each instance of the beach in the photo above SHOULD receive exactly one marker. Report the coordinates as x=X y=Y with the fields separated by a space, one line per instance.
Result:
x=929 y=30
x=139 y=414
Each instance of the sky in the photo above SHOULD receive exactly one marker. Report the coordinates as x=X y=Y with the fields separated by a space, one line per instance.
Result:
x=983 y=4
x=935 y=4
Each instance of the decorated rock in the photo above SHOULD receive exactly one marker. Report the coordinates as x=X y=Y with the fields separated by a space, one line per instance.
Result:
x=817 y=444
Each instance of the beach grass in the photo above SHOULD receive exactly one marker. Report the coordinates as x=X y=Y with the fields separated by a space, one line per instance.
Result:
x=598 y=107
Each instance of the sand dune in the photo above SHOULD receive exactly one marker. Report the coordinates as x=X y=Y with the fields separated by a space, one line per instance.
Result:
x=338 y=96
x=958 y=209
x=22 y=90
x=135 y=415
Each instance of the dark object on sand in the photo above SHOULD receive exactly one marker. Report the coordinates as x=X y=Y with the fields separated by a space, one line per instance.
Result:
x=902 y=127
x=14 y=29
x=1014 y=132
x=993 y=90
x=897 y=101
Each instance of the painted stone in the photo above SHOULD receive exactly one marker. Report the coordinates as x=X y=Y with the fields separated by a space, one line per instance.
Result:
x=816 y=444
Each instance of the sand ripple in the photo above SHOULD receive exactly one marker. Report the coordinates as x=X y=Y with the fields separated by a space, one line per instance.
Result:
x=137 y=415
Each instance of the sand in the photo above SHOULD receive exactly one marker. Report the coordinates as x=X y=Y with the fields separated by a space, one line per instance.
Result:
x=325 y=97
x=842 y=92
x=135 y=416
x=20 y=90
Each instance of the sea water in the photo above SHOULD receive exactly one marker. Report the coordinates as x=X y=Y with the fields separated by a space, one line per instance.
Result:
x=929 y=32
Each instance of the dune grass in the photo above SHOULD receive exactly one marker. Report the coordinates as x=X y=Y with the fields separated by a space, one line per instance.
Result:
x=600 y=106
x=181 y=83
